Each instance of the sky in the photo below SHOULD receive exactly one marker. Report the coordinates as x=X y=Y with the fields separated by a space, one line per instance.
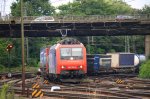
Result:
x=138 y=4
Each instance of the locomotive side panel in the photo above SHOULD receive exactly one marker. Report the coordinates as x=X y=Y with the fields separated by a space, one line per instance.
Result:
x=47 y=59
x=84 y=60
x=42 y=58
x=52 y=60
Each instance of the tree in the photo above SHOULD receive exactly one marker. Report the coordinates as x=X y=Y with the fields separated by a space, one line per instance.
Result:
x=33 y=8
x=95 y=7
x=146 y=9
x=99 y=7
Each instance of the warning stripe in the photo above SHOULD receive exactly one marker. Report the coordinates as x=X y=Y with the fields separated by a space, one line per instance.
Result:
x=41 y=94
x=36 y=91
x=34 y=85
x=119 y=81
x=45 y=82
x=38 y=86
x=38 y=94
x=33 y=93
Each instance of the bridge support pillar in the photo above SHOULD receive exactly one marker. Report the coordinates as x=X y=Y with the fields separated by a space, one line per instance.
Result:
x=147 y=46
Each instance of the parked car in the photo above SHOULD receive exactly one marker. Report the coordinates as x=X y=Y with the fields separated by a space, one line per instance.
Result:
x=125 y=17
x=44 y=19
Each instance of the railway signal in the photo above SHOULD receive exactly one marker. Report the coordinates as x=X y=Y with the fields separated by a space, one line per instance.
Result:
x=9 y=47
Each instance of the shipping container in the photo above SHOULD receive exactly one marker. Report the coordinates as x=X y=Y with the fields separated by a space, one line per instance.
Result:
x=119 y=60
x=90 y=65
x=141 y=57
x=96 y=63
x=114 y=60
x=126 y=59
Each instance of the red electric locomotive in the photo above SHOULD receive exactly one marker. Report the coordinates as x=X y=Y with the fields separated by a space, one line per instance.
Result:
x=66 y=60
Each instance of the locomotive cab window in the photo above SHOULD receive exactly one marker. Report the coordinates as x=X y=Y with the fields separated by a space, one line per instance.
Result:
x=67 y=53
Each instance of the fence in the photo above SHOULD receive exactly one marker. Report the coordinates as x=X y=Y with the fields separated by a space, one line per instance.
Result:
x=90 y=18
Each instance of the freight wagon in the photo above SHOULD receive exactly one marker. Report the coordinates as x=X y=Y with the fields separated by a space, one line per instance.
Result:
x=112 y=62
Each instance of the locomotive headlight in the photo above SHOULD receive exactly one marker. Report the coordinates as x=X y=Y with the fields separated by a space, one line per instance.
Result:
x=39 y=70
x=81 y=66
x=63 y=67
x=71 y=58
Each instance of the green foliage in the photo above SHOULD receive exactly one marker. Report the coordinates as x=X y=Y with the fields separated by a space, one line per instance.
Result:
x=3 y=51
x=144 y=70
x=29 y=68
x=95 y=7
x=33 y=62
x=4 y=94
x=146 y=9
x=102 y=45
x=100 y=51
x=33 y=8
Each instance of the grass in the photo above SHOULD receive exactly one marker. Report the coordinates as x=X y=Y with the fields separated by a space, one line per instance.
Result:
x=5 y=94
x=145 y=70
x=18 y=69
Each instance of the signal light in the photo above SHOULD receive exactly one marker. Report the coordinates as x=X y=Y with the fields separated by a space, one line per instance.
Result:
x=80 y=67
x=9 y=47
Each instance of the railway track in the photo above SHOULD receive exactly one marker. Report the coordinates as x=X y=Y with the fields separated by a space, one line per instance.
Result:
x=98 y=87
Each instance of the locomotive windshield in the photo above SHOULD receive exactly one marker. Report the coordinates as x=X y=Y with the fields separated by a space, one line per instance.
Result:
x=67 y=53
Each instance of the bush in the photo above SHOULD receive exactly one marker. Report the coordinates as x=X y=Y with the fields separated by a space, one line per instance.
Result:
x=33 y=62
x=3 y=69
x=144 y=70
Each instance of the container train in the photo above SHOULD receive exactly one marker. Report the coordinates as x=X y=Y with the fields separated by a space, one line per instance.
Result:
x=64 y=60
x=113 y=62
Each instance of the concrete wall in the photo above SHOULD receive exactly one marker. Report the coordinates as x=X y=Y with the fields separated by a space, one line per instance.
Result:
x=147 y=46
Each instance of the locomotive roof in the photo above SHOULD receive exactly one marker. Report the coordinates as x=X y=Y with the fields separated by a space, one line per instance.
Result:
x=67 y=41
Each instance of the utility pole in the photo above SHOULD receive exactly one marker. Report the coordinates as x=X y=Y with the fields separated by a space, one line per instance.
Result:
x=26 y=50
x=133 y=43
x=127 y=44
x=92 y=40
x=26 y=39
x=88 y=44
x=22 y=43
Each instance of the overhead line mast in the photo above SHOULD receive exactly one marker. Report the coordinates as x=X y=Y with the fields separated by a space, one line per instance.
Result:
x=22 y=43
